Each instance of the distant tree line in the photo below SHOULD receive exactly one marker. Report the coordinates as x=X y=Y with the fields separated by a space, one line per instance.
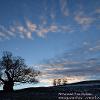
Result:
x=59 y=81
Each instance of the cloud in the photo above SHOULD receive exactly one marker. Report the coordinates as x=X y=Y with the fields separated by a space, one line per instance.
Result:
x=97 y=11
x=32 y=27
x=52 y=15
x=26 y=30
x=18 y=29
x=63 y=6
x=87 y=50
x=74 y=64
x=12 y=29
x=49 y=79
x=88 y=69
x=84 y=21
x=5 y=33
x=43 y=20
x=22 y=30
x=95 y=48
x=29 y=35
x=53 y=28
x=2 y=35
x=48 y=20
x=42 y=31
x=67 y=29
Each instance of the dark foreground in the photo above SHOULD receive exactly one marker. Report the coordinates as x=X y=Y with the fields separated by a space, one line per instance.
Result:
x=68 y=92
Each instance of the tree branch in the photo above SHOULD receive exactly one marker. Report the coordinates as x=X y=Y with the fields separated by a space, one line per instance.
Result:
x=8 y=75
x=2 y=80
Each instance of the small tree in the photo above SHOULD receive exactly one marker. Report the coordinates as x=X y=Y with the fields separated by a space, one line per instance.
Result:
x=64 y=82
x=54 y=82
x=13 y=69
x=59 y=82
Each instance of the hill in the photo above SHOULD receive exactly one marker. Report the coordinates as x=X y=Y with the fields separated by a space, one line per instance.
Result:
x=87 y=82
x=82 y=90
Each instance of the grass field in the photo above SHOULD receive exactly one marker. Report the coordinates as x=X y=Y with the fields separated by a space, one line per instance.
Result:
x=87 y=90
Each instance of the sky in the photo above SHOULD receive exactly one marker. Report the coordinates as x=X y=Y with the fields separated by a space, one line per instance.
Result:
x=61 y=38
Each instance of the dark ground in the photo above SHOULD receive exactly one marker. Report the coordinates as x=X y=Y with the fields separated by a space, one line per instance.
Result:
x=79 y=91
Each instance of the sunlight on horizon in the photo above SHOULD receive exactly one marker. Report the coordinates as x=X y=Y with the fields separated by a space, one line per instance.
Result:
x=45 y=83
x=26 y=85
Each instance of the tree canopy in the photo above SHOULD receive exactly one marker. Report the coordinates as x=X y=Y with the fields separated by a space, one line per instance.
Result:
x=13 y=69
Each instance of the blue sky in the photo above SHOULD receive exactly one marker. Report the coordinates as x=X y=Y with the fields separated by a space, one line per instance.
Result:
x=59 y=37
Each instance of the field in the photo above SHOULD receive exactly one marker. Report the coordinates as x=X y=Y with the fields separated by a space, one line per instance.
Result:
x=79 y=91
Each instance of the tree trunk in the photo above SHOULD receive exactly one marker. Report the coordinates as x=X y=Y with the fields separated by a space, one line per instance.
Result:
x=8 y=86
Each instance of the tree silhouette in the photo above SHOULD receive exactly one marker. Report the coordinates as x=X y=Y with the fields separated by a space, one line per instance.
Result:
x=54 y=82
x=13 y=69
x=64 y=82
x=60 y=81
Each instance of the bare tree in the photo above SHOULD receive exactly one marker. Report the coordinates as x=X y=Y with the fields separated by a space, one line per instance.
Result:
x=59 y=82
x=13 y=69
x=54 y=82
x=64 y=82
